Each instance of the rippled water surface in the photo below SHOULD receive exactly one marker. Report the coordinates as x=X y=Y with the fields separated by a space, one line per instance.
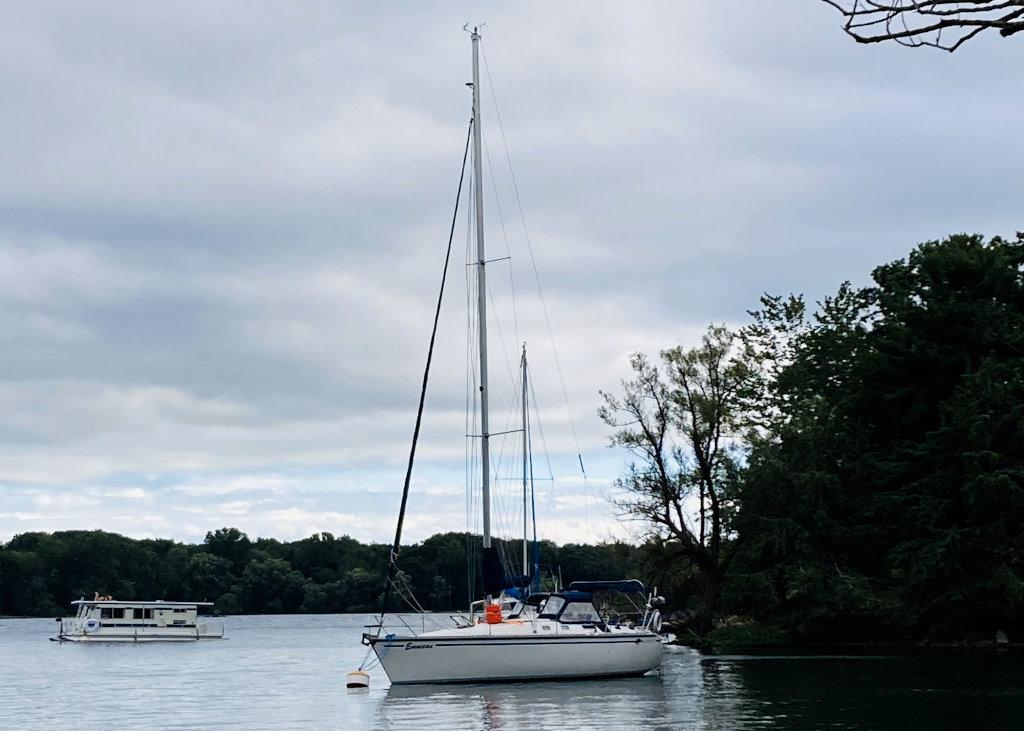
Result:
x=289 y=672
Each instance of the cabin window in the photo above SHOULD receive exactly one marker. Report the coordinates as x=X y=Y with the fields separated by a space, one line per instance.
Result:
x=140 y=613
x=109 y=613
x=552 y=606
x=528 y=612
x=180 y=611
x=580 y=612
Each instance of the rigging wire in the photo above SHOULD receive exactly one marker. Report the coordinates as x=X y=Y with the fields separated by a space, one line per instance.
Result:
x=500 y=493
x=504 y=234
x=393 y=562
x=547 y=457
x=535 y=548
x=501 y=335
x=472 y=514
x=508 y=510
x=536 y=274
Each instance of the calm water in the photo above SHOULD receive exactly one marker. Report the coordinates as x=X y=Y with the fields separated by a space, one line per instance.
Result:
x=289 y=672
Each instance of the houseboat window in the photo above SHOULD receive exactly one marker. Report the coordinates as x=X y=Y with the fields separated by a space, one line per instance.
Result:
x=108 y=613
x=140 y=613
x=180 y=611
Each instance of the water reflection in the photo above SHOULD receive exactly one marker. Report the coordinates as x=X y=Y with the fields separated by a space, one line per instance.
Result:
x=569 y=705
x=738 y=692
x=941 y=690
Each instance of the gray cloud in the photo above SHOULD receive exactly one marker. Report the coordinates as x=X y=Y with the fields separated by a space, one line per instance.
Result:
x=221 y=230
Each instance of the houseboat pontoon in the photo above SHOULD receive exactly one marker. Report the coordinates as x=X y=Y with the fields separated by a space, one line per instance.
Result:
x=107 y=620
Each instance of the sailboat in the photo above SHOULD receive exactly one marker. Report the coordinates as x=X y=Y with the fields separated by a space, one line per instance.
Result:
x=560 y=635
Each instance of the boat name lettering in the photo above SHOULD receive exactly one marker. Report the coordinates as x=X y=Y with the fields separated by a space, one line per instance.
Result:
x=414 y=646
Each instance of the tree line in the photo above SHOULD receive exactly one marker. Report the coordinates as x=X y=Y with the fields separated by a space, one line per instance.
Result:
x=847 y=472
x=40 y=573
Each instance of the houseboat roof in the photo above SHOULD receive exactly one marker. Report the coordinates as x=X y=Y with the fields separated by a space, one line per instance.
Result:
x=157 y=603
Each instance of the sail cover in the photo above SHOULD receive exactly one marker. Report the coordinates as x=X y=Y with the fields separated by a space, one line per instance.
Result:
x=493 y=572
x=494 y=577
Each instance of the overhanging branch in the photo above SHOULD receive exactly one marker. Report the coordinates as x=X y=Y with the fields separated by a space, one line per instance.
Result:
x=944 y=24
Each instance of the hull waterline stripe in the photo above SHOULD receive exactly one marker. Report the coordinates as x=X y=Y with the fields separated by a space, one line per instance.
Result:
x=524 y=643
x=546 y=678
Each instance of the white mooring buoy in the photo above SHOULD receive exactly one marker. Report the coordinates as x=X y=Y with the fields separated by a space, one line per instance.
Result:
x=358 y=679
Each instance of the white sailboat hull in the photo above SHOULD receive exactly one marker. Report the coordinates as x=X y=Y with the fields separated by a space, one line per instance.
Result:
x=475 y=657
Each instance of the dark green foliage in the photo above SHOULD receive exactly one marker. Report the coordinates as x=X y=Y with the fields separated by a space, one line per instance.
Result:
x=228 y=604
x=230 y=544
x=747 y=635
x=40 y=573
x=209 y=576
x=883 y=496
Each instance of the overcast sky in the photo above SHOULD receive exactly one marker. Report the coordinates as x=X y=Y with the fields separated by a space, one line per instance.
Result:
x=221 y=228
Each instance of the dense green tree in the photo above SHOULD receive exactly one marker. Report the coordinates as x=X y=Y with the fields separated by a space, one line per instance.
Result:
x=883 y=492
x=314 y=598
x=318 y=557
x=23 y=585
x=441 y=594
x=228 y=603
x=209 y=575
x=270 y=584
x=231 y=544
x=362 y=590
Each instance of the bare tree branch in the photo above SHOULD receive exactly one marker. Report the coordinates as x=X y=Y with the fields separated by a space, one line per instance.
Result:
x=943 y=24
x=672 y=416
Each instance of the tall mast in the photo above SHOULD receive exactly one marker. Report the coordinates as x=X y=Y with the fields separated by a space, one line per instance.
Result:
x=526 y=539
x=481 y=292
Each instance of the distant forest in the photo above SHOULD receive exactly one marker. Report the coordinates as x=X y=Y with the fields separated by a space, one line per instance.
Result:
x=40 y=573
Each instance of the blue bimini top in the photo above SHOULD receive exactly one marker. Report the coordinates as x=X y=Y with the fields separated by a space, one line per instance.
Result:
x=626 y=586
x=575 y=596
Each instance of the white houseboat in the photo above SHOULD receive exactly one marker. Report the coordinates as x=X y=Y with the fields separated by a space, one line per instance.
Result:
x=107 y=620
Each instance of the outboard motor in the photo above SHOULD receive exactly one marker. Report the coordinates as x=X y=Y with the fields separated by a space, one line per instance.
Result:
x=652 y=611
